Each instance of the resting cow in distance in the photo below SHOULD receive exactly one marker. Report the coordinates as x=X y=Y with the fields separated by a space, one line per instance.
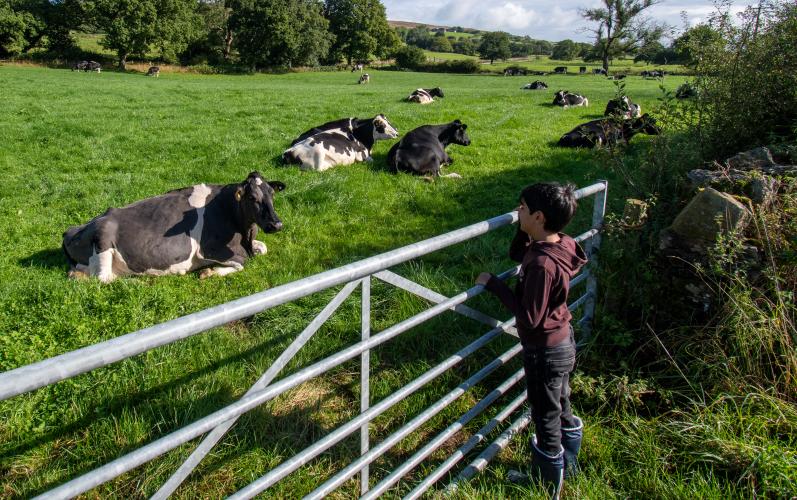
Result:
x=536 y=85
x=209 y=227
x=364 y=78
x=608 y=132
x=340 y=142
x=565 y=98
x=422 y=151
x=425 y=96
x=154 y=71
x=623 y=108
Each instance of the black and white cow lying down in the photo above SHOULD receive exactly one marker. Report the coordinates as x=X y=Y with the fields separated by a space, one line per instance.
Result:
x=425 y=96
x=535 y=85
x=607 y=132
x=623 y=108
x=203 y=226
x=422 y=151
x=565 y=98
x=339 y=142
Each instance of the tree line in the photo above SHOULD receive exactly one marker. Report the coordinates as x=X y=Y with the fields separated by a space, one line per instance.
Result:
x=253 y=33
x=271 y=33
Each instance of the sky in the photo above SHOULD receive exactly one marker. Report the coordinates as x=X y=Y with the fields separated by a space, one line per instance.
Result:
x=551 y=20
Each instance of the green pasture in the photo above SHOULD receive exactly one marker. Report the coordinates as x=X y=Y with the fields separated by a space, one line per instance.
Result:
x=459 y=34
x=545 y=63
x=74 y=144
x=445 y=56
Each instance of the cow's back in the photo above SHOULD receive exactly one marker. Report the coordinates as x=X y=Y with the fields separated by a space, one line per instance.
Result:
x=160 y=232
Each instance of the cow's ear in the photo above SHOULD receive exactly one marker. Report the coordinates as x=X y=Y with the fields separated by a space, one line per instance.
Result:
x=276 y=185
x=239 y=193
x=464 y=127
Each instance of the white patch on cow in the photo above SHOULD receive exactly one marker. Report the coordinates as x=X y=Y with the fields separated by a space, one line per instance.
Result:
x=258 y=181
x=421 y=96
x=389 y=133
x=199 y=196
x=314 y=156
x=101 y=265
x=258 y=247
x=223 y=270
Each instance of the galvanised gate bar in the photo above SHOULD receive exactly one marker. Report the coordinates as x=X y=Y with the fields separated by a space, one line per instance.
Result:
x=358 y=274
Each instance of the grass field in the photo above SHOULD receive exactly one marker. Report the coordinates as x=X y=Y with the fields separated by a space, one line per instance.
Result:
x=77 y=143
x=445 y=56
x=544 y=63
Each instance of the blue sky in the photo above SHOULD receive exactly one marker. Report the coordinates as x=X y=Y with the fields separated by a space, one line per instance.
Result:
x=552 y=20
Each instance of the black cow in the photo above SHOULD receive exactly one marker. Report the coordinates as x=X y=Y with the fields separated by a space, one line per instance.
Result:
x=93 y=66
x=685 y=91
x=80 y=66
x=203 y=226
x=423 y=151
x=560 y=69
x=154 y=71
x=565 y=98
x=608 y=132
x=582 y=69
x=535 y=85
x=514 y=72
x=425 y=96
x=656 y=73
x=340 y=142
x=623 y=108
x=599 y=71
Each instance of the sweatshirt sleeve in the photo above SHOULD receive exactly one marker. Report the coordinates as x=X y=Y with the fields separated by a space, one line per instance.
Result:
x=529 y=310
x=534 y=302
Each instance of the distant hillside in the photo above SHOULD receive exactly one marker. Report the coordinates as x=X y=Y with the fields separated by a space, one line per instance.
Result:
x=412 y=24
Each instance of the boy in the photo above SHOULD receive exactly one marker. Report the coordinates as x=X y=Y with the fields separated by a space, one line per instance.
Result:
x=548 y=260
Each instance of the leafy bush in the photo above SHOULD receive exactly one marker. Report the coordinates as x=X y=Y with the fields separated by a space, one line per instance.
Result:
x=466 y=66
x=410 y=57
x=748 y=84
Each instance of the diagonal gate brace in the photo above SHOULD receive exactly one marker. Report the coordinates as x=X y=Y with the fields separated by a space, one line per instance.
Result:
x=436 y=298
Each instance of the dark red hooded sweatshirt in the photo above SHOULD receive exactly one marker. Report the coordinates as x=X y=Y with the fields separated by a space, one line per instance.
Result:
x=539 y=301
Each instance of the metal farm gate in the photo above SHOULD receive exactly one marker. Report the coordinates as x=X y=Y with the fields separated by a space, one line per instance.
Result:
x=358 y=274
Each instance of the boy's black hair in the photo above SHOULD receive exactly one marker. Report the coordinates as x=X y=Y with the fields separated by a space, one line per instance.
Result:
x=557 y=202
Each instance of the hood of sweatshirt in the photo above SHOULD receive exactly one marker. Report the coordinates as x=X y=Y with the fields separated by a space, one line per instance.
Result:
x=567 y=254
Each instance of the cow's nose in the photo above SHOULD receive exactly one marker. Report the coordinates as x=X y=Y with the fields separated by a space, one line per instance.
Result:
x=277 y=226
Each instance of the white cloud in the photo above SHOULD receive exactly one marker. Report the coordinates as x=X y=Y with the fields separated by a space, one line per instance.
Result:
x=547 y=19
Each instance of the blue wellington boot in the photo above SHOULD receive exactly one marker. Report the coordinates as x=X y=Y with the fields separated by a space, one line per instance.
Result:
x=549 y=469
x=571 y=442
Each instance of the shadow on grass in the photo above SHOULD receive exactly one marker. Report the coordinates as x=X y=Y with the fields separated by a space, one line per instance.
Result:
x=46 y=259
x=130 y=402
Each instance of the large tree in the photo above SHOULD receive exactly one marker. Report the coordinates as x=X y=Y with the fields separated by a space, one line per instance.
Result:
x=696 y=41
x=134 y=27
x=565 y=50
x=621 y=28
x=495 y=45
x=280 y=32
x=28 y=24
x=360 y=29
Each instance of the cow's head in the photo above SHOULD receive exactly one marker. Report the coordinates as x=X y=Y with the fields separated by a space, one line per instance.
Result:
x=255 y=198
x=436 y=92
x=559 y=97
x=646 y=124
x=383 y=129
x=457 y=133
